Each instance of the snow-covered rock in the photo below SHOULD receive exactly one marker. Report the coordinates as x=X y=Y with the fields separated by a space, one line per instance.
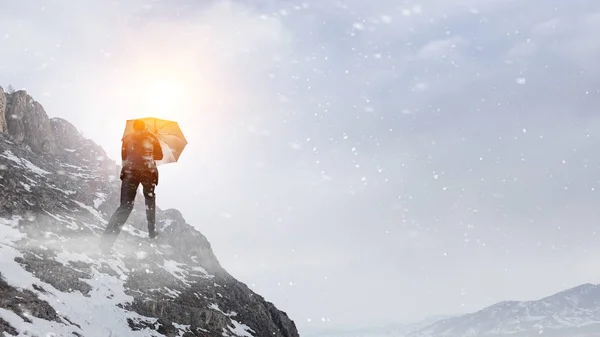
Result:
x=55 y=200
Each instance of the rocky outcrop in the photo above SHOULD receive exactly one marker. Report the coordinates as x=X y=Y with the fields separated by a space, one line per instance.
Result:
x=67 y=135
x=69 y=140
x=2 y=110
x=188 y=244
x=53 y=209
x=28 y=123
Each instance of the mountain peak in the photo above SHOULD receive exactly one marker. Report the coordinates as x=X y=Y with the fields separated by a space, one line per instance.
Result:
x=580 y=289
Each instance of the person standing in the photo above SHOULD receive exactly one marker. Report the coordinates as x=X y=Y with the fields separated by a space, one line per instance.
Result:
x=139 y=152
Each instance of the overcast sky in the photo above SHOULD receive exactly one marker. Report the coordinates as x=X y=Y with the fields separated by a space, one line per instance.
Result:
x=356 y=162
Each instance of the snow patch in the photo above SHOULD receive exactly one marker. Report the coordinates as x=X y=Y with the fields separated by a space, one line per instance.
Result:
x=24 y=163
x=82 y=175
x=37 y=327
x=171 y=293
x=70 y=224
x=34 y=168
x=61 y=190
x=238 y=329
x=202 y=270
x=92 y=210
x=25 y=186
x=9 y=232
x=78 y=168
x=173 y=268
x=182 y=328
x=166 y=223
x=10 y=156
x=215 y=307
x=101 y=198
x=133 y=231
x=31 y=181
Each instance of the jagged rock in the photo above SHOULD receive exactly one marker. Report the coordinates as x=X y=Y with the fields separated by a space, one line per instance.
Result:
x=2 y=111
x=53 y=209
x=188 y=244
x=28 y=123
x=70 y=142
x=70 y=137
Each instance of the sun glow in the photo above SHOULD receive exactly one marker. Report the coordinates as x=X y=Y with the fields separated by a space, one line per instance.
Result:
x=203 y=73
x=168 y=96
x=164 y=96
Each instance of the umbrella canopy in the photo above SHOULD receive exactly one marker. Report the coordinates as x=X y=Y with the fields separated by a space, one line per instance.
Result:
x=169 y=134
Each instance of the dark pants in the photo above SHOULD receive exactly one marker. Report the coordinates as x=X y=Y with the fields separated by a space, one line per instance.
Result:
x=129 y=185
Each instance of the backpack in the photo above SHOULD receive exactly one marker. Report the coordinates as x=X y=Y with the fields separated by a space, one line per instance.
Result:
x=139 y=151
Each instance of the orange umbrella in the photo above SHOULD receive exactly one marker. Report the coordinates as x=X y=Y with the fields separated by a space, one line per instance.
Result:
x=169 y=134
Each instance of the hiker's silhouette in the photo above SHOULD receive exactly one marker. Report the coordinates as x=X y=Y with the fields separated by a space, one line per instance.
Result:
x=139 y=153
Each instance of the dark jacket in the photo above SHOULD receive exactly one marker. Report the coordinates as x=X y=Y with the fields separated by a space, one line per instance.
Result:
x=139 y=153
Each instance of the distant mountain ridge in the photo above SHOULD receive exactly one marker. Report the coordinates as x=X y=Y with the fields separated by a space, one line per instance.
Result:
x=574 y=312
x=397 y=329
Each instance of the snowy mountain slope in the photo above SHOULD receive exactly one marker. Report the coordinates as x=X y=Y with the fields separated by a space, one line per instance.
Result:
x=571 y=313
x=57 y=191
